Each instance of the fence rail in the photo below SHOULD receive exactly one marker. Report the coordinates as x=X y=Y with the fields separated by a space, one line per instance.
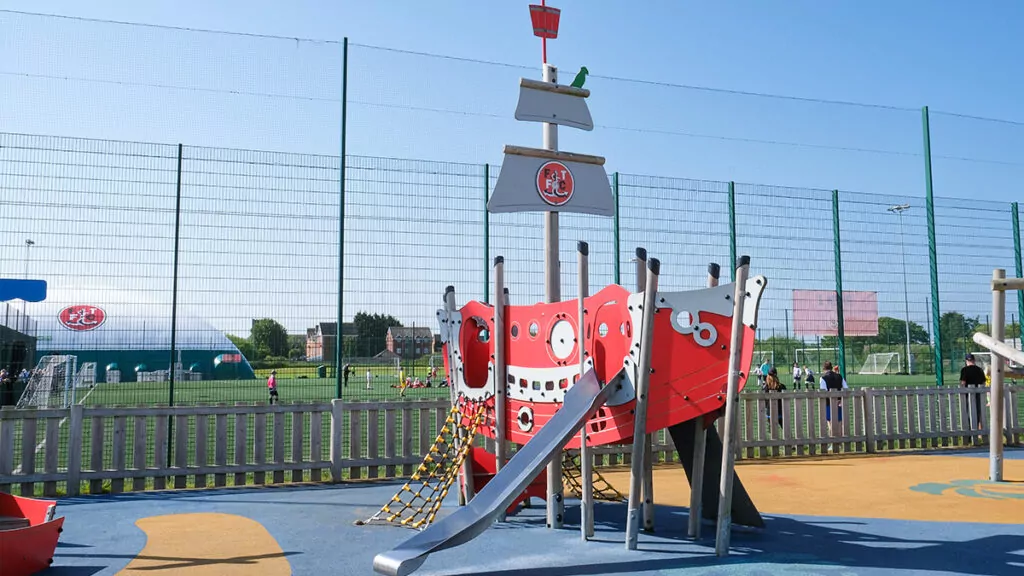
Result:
x=115 y=449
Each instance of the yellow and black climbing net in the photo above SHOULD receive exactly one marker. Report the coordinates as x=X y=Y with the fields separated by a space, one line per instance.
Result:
x=572 y=472
x=416 y=504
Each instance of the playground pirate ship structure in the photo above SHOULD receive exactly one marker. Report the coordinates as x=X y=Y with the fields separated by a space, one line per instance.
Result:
x=567 y=375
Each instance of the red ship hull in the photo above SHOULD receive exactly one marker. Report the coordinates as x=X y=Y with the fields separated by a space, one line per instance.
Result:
x=689 y=360
x=29 y=549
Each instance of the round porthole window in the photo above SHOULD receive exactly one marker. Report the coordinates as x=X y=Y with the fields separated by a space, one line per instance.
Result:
x=525 y=419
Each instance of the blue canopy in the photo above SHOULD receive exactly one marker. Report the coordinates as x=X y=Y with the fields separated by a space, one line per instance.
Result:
x=27 y=290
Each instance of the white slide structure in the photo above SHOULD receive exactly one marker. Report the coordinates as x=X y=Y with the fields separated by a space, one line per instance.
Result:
x=467 y=522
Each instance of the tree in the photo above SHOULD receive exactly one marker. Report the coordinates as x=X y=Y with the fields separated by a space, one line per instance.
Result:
x=268 y=338
x=957 y=331
x=894 y=331
x=296 y=346
x=372 y=330
x=243 y=345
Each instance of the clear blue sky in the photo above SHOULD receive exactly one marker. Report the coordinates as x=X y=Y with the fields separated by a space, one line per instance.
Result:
x=167 y=86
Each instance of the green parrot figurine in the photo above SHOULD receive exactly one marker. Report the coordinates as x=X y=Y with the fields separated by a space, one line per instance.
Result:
x=581 y=77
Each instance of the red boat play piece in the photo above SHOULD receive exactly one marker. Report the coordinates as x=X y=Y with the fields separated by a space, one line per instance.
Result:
x=28 y=534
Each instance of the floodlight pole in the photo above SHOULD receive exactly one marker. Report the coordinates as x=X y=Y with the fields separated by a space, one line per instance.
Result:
x=898 y=210
x=24 y=303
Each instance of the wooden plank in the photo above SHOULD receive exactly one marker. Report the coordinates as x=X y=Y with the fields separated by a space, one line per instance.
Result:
x=202 y=427
x=241 y=423
x=773 y=424
x=762 y=431
x=118 y=441
x=259 y=447
x=390 y=431
x=181 y=437
x=51 y=456
x=844 y=426
x=96 y=439
x=407 y=437
x=139 y=450
x=28 y=454
x=316 y=444
x=337 y=426
x=749 y=414
x=355 y=442
x=945 y=415
x=800 y=420
x=220 y=447
x=868 y=410
x=425 y=443
x=278 y=456
x=372 y=432
x=160 y=451
x=298 y=435
x=901 y=419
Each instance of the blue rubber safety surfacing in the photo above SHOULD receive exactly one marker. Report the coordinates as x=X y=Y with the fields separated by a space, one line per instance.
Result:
x=313 y=526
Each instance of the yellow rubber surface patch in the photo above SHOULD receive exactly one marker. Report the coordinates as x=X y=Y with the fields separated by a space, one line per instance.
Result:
x=207 y=544
x=929 y=488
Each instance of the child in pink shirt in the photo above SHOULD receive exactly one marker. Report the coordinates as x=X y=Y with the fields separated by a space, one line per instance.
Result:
x=272 y=385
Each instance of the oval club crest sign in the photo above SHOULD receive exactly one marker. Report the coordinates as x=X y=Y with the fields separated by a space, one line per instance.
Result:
x=82 y=317
x=555 y=183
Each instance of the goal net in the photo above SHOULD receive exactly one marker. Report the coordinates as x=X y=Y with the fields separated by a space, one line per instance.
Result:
x=881 y=363
x=815 y=357
x=762 y=356
x=51 y=383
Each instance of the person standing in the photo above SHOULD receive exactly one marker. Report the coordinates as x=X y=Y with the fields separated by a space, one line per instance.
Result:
x=272 y=386
x=369 y=379
x=832 y=381
x=762 y=372
x=346 y=372
x=972 y=376
x=796 y=376
x=773 y=384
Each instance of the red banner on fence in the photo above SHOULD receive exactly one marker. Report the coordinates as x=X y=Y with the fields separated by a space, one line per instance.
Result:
x=814 y=313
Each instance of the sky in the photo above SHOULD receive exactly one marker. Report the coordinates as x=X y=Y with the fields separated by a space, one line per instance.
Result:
x=696 y=92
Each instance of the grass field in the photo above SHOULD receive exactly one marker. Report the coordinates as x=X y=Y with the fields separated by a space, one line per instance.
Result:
x=292 y=385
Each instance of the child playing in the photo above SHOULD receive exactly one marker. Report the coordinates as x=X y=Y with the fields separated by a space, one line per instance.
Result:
x=272 y=386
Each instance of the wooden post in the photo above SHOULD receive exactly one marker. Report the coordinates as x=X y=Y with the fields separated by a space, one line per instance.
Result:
x=648 y=459
x=75 y=451
x=731 y=413
x=586 y=456
x=995 y=429
x=336 y=427
x=700 y=438
x=640 y=436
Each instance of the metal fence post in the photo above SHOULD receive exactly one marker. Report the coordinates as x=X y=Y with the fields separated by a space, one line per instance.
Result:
x=732 y=228
x=615 y=226
x=339 y=337
x=932 y=256
x=174 y=302
x=1018 y=264
x=487 y=236
x=837 y=249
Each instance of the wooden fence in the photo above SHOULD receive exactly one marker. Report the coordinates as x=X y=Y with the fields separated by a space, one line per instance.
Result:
x=112 y=449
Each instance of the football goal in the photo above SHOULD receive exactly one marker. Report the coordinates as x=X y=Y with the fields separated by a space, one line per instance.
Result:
x=762 y=356
x=815 y=357
x=882 y=363
x=51 y=384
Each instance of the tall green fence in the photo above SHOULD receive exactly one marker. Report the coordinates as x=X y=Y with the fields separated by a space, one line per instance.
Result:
x=185 y=273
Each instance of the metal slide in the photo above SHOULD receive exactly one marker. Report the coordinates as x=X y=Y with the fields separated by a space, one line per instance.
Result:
x=581 y=402
x=744 y=512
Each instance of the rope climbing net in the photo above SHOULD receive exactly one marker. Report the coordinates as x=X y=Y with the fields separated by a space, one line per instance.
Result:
x=572 y=472
x=416 y=504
